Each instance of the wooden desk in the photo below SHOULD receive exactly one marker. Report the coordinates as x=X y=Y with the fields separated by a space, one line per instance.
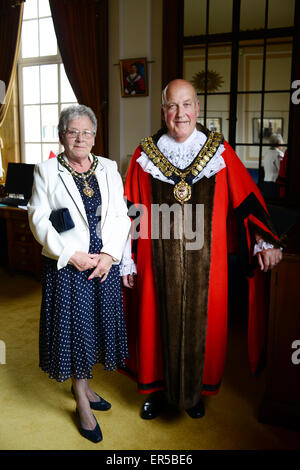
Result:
x=281 y=402
x=24 y=253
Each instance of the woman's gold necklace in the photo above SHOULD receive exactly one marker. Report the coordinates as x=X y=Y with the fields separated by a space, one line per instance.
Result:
x=88 y=191
x=82 y=177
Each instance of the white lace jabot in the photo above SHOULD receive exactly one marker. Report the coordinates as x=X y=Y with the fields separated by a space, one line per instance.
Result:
x=181 y=155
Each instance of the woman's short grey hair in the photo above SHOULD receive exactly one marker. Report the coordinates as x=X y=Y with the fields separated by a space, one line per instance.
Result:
x=275 y=140
x=73 y=112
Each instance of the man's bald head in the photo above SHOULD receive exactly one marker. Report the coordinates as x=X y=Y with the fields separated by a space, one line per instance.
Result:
x=180 y=109
x=178 y=82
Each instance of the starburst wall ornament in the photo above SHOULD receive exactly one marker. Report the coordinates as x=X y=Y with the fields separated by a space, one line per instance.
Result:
x=213 y=80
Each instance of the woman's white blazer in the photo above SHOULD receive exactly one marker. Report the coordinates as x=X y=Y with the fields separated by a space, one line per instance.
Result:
x=54 y=188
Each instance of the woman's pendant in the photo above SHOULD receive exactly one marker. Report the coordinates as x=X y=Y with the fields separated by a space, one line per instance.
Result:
x=89 y=192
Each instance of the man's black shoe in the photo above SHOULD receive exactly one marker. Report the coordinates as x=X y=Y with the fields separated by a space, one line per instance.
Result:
x=196 y=411
x=154 y=405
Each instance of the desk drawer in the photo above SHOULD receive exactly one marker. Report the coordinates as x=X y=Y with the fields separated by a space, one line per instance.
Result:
x=24 y=237
x=23 y=256
x=24 y=253
x=20 y=224
x=18 y=229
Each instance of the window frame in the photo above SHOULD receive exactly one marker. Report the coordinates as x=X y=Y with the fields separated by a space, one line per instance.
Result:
x=30 y=62
x=234 y=38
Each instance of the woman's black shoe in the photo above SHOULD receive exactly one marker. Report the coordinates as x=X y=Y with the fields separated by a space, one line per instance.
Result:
x=196 y=411
x=101 y=405
x=94 y=435
x=154 y=405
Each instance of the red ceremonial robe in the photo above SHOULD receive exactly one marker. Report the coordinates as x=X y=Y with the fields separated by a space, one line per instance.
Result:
x=234 y=193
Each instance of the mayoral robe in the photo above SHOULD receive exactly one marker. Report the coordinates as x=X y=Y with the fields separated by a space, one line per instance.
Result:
x=176 y=314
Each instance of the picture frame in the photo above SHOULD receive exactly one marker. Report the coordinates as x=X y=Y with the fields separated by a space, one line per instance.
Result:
x=271 y=125
x=212 y=123
x=134 y=77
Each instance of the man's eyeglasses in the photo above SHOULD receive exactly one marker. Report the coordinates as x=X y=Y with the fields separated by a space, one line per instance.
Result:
x=86 y=135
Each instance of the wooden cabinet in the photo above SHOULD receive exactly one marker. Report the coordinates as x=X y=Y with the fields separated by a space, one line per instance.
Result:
x=24 y=253
x=281 y=403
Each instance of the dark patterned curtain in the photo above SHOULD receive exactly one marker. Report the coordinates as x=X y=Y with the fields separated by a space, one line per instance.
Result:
x=81 y=31
x=10 y=31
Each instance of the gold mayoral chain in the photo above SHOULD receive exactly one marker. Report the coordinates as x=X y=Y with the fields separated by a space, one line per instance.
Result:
x=182 y=190
x=82 y=177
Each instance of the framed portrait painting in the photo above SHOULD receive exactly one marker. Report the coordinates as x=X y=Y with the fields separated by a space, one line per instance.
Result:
x=134 y=78
x=212 y=123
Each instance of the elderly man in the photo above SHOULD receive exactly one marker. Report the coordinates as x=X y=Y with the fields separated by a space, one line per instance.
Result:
x=177 y=304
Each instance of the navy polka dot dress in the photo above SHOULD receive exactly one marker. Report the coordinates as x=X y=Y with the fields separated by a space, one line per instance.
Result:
x=82 y=321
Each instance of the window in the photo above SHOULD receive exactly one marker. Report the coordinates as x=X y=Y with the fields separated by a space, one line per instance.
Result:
x=44 y=89
x=242 y=70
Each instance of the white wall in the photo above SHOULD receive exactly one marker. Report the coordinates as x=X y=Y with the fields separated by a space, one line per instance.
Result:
x=135 y=30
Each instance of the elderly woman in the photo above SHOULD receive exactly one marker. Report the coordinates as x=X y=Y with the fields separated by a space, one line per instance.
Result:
x=78 y=214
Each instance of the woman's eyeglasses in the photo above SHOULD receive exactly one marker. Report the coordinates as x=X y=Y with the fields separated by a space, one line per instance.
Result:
x=86 y=135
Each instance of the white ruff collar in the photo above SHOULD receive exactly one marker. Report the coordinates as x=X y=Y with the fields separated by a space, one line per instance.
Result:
x=181 y=155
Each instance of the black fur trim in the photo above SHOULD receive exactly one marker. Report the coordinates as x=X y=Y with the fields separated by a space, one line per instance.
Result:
x=251 y=205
